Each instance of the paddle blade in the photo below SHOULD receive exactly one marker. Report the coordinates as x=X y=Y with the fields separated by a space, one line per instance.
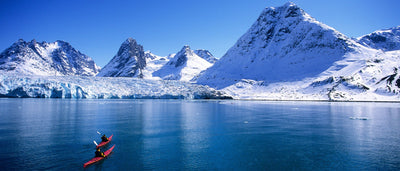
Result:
x=95 y=143
x=98 y=132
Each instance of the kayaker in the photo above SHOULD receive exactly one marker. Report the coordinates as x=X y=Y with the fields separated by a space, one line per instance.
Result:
x=99 y=153
x=104 y=138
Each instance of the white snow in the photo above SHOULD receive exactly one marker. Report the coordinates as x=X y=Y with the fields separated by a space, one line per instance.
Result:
x=185 y=66
x=153 y=63
x=355 y=81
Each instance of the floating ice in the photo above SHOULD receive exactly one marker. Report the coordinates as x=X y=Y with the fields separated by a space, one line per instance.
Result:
x=359 y=118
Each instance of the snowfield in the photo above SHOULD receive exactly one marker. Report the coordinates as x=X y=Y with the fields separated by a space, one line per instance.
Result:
x=372 y=78
x=80 y=87
x=185 y=66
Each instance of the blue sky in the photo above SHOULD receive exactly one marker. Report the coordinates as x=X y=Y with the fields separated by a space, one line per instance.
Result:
x=98 y=27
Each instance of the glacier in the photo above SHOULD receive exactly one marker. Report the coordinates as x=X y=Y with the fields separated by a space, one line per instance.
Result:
x=85 y=87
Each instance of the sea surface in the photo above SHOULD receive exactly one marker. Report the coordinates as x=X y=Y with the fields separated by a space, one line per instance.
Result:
x=58 y=134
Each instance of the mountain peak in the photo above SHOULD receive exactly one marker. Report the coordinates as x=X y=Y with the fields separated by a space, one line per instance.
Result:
x=386 y=40
x=23 y=42
x=287 y=4
x=128 y=62
x=41 y=58
x=205 y=54
x=185 y=52
x=20 y=40
x=182 y=56
x=62 y=42
x=130 y=40
x=283 y=44
x=289 y=10
x=293 y=10
x=184 y=66
x=130 y=46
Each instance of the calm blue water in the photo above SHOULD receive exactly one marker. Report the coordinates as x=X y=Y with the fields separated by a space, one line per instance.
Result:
x=199 y=135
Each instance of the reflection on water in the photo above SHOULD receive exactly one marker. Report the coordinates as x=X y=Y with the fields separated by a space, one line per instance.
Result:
x=200 y=135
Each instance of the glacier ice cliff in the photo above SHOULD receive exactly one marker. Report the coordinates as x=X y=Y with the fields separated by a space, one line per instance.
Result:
x=79 y=87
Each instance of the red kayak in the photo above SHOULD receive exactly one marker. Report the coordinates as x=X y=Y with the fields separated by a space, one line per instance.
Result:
x=104 y=143
x=96 y=159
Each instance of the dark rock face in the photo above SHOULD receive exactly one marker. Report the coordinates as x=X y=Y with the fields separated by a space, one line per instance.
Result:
x=129 y=61
x=392 y=81
x=181 y=57
x=180 y=61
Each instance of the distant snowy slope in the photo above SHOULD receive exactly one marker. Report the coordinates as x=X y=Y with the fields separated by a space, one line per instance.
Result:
x=284 y=44
x=205 y=54
x=35 y=58
x=102 y=88
x=128 y=62
x=184 y=66
x=387 y=40
x=153 y=63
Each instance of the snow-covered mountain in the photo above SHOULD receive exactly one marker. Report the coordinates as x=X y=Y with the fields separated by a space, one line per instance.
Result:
x=133 y=61
x=386 y=40
x=128 y=62
x=288 y=55
x=42 y=58
x=284 y=44
x=205 y=54
x=185 y=66
x=153 y=64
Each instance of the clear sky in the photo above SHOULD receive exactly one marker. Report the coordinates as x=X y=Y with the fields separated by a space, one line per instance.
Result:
x=98 y=27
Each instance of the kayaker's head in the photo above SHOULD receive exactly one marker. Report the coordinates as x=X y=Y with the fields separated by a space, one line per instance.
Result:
x=104 y=135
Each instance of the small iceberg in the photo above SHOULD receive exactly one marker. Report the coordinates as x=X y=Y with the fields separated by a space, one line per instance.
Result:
x=359 y=118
